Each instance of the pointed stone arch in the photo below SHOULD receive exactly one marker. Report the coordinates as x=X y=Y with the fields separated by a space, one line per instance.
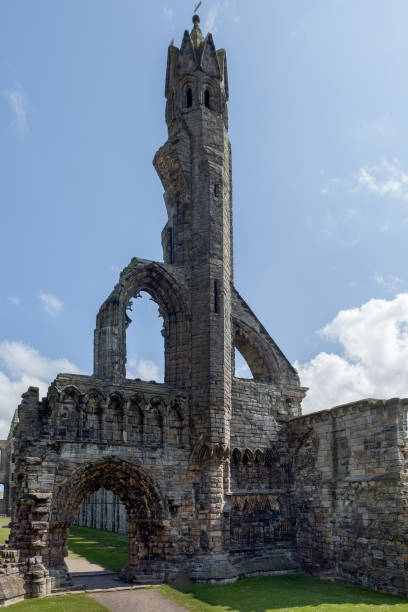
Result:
x=134 y=419
x=65 y=410
x=138 y=492
x=134 y=487
x=160 y=282
x=256 y=352
x=113 y=417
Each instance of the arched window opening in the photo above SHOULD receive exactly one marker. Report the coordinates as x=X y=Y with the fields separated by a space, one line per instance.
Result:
x=144 y=340
x=242 y=369
x=207 y=98
x=189 y=97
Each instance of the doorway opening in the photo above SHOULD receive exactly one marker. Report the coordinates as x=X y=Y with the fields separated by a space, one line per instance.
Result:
x=97 y=540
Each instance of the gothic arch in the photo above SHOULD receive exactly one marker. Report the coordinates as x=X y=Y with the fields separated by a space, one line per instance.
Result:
x=257 y=353
x=129 y=482
x=112 y=320
x=113 y=417
x=213 y=95
x=136 y=490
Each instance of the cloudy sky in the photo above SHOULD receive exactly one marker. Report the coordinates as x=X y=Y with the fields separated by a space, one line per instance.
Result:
x=318 y=125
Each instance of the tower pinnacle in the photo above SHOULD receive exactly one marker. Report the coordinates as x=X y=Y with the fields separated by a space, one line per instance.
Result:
x=196 y=34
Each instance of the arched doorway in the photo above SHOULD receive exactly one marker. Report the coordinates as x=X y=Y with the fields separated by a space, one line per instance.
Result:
x=147 y=535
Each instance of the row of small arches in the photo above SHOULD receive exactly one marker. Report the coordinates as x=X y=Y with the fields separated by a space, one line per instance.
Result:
x=248 y=456
x=250 y=505
x=137 y=420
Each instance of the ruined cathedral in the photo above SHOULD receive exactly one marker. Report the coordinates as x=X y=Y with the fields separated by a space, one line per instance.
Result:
x=221 y=477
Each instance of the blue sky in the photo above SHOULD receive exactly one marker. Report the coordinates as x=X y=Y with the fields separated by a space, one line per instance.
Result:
x=318 y=126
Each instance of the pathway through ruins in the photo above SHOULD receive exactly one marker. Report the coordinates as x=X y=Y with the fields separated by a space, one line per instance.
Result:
x=136 y=600
x=115 y=594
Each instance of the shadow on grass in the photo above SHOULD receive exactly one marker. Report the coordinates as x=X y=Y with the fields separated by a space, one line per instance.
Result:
x=103 y=547
x=289 y=592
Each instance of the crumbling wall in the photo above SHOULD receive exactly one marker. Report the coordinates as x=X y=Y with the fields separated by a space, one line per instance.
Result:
x=349 y=489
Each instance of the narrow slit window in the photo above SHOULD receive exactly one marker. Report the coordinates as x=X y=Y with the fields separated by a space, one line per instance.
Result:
x=169 y=245
x=216 y=190
x=216 y=298
x=189 y=97
x=207 y=98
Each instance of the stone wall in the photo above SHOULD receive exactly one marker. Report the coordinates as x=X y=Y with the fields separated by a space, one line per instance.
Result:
x=258 y=519
x=103 y=510
x=350 y=493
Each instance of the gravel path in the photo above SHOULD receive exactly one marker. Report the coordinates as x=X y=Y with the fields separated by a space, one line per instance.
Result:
x=140 y=600
x=82 y=565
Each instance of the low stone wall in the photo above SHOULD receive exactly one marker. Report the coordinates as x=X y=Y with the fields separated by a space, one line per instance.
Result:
x=350 y=493
x=103 y=510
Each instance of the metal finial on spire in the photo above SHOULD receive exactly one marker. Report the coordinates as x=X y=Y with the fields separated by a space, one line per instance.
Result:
x=198 y=6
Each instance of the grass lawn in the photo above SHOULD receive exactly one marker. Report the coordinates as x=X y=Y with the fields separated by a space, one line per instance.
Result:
x=290 y=593
x=62 y=603
x=103 y=547
x=4 y=531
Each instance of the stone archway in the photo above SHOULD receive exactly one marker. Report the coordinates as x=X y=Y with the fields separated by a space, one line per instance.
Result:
x=147 y=535
x=165 y=286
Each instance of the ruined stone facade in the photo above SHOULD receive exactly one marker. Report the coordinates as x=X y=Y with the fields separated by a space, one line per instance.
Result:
x=220 y=477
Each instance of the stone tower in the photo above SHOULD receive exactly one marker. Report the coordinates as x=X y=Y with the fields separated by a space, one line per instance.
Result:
x=220 y=476
x=195 y=168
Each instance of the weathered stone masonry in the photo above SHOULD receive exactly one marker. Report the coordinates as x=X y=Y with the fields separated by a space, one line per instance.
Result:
x=220 y=477
x=350 y=492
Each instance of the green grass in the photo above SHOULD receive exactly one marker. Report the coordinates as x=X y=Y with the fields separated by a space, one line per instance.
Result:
x=62 y=603
x=103 y=547
x=4 y=531
x=290 y=593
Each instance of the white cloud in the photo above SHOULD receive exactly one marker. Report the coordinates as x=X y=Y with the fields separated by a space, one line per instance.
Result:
x=243 y=371
x=19 y=105
x=114 y=268
x=241 y=367
x=389 y=282
x=168 y=12
x=219 y=6
x=21 y=367
x=14 y=299
x=374 y=339
x=52 y=305
x=144 y=369
x=209 y=24
x=386 y=180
